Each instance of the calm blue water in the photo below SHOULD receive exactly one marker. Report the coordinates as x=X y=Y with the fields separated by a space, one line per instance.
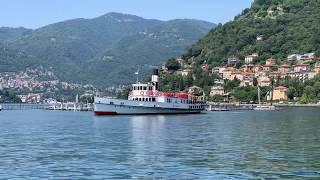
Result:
x=221 y=145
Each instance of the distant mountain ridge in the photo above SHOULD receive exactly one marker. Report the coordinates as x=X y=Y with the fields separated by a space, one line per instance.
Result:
x=105 y=50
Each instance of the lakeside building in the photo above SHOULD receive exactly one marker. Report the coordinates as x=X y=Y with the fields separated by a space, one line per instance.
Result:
x=280 y=93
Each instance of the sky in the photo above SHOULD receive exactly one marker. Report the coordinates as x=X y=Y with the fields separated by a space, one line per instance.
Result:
x=37 y=13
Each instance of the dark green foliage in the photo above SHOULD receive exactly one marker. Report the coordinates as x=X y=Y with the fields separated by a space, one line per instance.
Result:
x=216 y=98
x=230 y=85
x=306 y=92
x=247 y=94
x=172 y=64
x=9 y=97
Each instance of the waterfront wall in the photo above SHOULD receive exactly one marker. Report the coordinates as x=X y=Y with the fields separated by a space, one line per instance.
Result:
x=23 y=106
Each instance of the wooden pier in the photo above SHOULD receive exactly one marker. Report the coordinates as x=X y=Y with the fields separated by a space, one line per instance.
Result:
x=229 y=106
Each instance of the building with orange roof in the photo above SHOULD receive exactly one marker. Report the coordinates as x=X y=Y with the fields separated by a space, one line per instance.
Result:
x=280 y=93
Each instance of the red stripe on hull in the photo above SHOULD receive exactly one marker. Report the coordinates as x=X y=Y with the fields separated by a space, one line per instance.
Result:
x=104 y=113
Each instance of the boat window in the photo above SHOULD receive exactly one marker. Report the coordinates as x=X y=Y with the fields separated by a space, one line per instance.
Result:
x=139 y=99
x=144 y=88
x=154 y=99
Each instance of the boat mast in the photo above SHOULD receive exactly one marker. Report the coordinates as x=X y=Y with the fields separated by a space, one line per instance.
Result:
x=272 y=84
x=137 y=73
x=259 y=100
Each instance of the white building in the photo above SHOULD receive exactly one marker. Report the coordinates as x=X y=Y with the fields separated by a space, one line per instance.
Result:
x=217 y=91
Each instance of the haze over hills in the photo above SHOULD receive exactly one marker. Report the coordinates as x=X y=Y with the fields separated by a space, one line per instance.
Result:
x=104 y=51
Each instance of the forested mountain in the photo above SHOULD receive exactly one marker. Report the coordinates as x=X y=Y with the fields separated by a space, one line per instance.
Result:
x=104 y=51
x=148 y=48
x=285 y=26
x=8 y=34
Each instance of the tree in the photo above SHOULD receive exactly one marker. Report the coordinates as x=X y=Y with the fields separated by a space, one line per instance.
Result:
x=172 y=64
x=291 y=93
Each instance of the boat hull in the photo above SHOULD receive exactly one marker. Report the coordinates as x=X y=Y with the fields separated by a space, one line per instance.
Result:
x=106 y=109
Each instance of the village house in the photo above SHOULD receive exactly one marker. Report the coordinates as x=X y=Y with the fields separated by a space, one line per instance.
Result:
x=284 y=68
x=236 y=75
x=233 y=60
x=301 y=68
x=305 y=57
x=250 y=58
x=258 y=68
x=184 y=72
x=308 y=56
x=248 y=68
x=276 y=75
x=264 y=81
x=280 y=93
x=217 y=91
x=267 y=68
x=246 y=82
x=301 y=76
x=270 y=62
x=294 y=57
x=226 y=73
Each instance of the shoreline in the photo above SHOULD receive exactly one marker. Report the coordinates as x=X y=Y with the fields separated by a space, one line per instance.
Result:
x=297 y=105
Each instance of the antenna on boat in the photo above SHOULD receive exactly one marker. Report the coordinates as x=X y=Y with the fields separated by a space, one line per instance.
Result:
x=137 y=73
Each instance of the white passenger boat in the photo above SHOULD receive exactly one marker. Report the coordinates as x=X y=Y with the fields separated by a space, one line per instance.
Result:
x=146 y=99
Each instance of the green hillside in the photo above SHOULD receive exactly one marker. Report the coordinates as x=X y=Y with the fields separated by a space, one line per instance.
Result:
x=287 y=27
x=147 y=49
x=104 y=50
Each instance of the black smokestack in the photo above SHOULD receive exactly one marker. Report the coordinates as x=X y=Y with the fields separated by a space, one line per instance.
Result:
x=156 y=72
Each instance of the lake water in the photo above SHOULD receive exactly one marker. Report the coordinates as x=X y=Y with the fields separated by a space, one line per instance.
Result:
x=218 y=145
